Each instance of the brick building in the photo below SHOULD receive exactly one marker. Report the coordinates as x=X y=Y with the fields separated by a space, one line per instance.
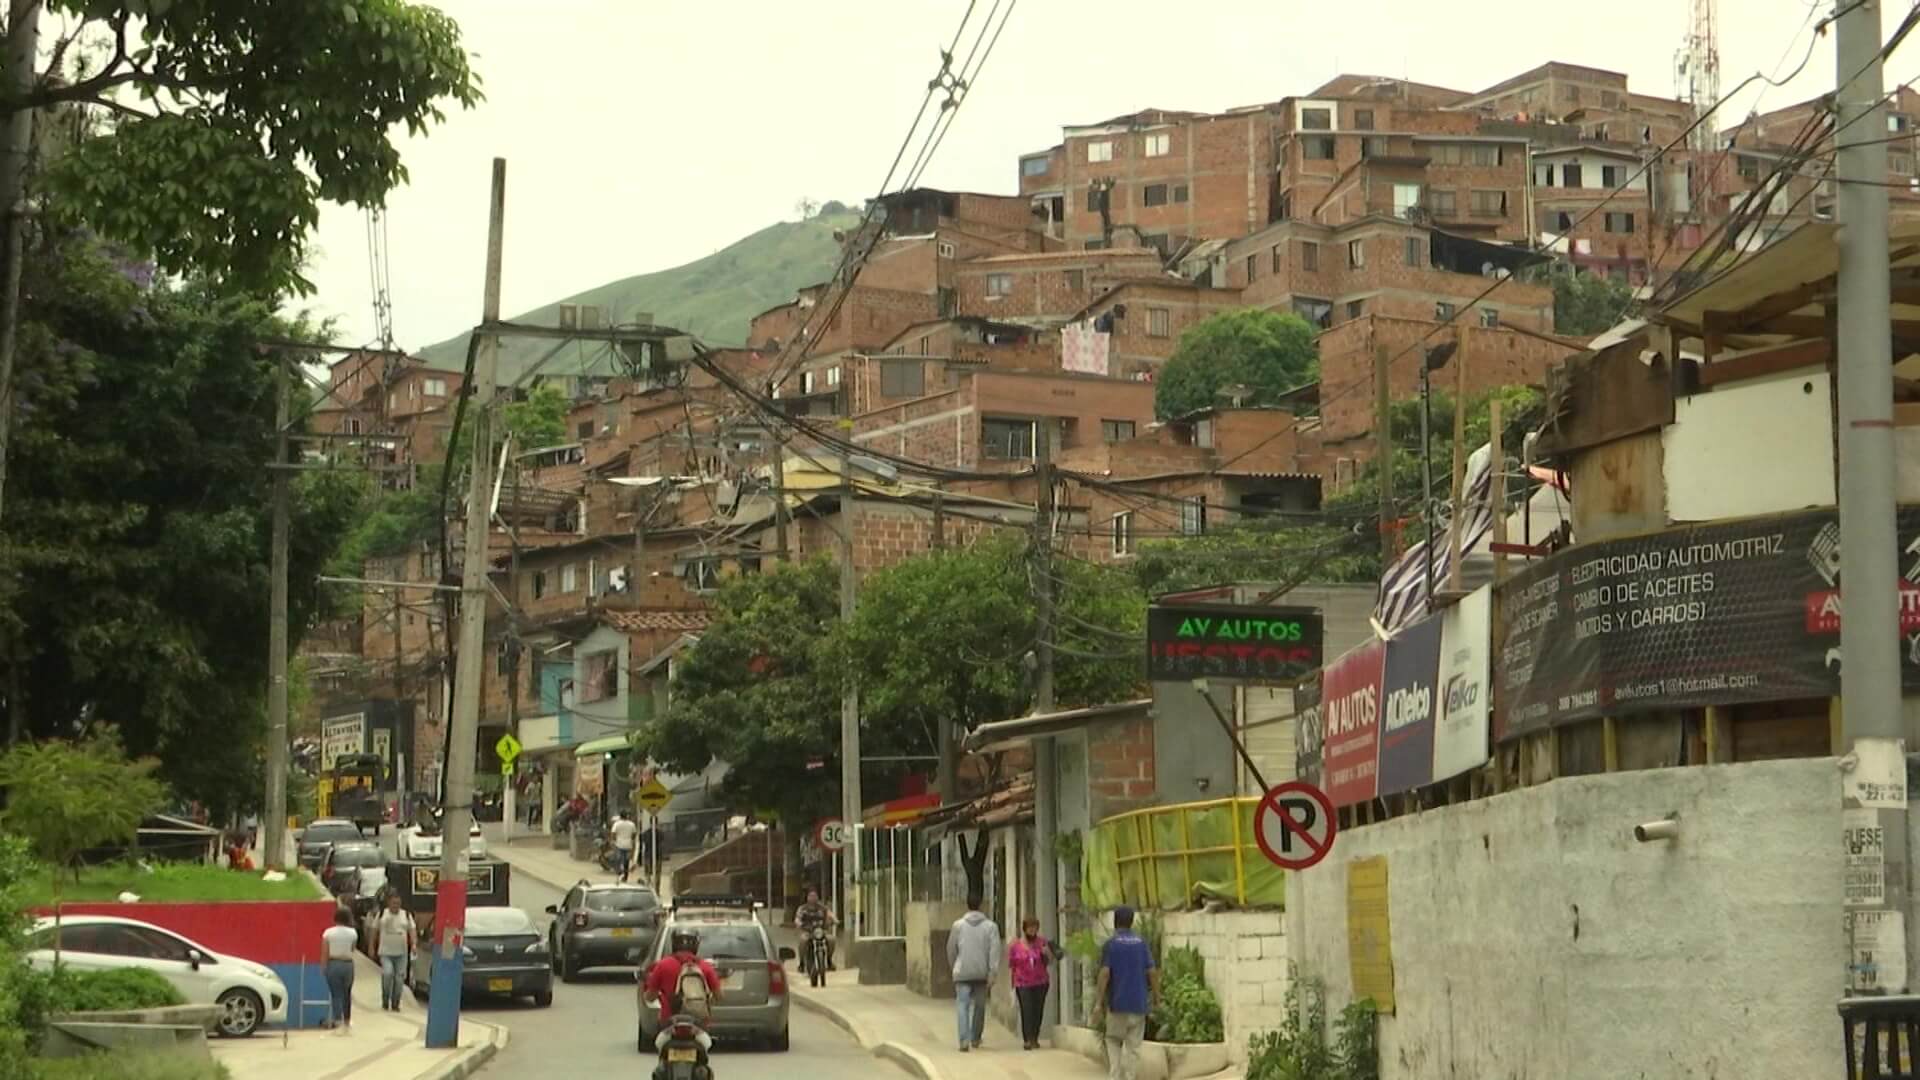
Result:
x=1145 y=319
x=987 y=421
x=1049 y=286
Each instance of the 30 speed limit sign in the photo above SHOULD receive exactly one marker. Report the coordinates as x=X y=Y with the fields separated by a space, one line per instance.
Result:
x=832 y=834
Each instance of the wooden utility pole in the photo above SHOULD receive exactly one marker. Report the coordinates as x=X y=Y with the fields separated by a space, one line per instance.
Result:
x=1456 y=518
x=450 y=903
x=274 y=821
x=22 y=52
x=1383 y=450
x=851 y=799
x=779 y=495
x=1045 y=809
x=939 y=518
x=1497 y=451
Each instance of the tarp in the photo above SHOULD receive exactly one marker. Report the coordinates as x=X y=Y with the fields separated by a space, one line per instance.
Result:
x=1170 y=857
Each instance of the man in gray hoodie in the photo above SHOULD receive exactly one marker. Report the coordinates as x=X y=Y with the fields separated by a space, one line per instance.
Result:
x=973 y=948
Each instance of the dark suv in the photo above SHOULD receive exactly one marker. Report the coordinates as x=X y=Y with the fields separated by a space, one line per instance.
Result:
x=322 y=834
x=602 y=926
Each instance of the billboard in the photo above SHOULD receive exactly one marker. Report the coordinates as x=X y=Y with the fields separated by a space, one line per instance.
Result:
x=342 y=735
x=1460 y=740
x=1350 y=724
x=1195 y=641
x=1407 y=696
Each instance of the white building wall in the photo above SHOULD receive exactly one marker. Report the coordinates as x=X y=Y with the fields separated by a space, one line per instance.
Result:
x=1532 y=937
x=1778 y=428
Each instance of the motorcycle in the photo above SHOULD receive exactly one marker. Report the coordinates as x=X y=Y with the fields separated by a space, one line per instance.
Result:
x=818 y=947
x=681 y=1057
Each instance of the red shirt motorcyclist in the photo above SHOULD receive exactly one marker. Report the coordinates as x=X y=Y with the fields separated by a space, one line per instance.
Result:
x=663 y=984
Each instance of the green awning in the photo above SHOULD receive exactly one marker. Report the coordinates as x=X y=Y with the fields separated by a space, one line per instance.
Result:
x=605 y=745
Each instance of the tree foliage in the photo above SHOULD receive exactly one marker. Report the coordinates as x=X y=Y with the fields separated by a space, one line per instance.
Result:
x=1266 y=351
x=226 y=123
x=540 y=420
x=68 y=797
x=1586 y=304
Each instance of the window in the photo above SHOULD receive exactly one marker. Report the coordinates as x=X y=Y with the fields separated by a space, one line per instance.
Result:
x=1179 y=193
x=1097 y=244
x=1356 y=253
x=503 y=662
x=1154 y=195
x=1570 y=176
x=1095 y=199
x=999 y=285
x=1316 y=119
x=1489 y=318
x=1441 y=203
x=1749 y=167
x=353 y=425
x=1275 y=258
x=436 y=388
x=1077 y=280
x=393 y=402
x=702 y=574
x=1155 y=145
x=1570 y=94
x=1442 y=311
x=1489 y=204
x=806 y=382
x=902 y=380
x=1159 y=322
x=1619 y=222
x=1116 y=430
x=1100 y=151
x=1543 y=176
x=1414 y=258
x=1317 y=312
x=1309 y=255
x=585 y=431
x=539 y=585
x=1035 y=166
x=1317 y=148
x=1007 y=440
x=569 y=578
x=1613 y=176
x=1406 y=197
x=1193 y=516
x=1896 y=123
x=1123 y=533
x=833 y=373
x=1373 y=146
x=1363 y=119
x=947 y=250
x=1253 y=268
x=1356 y=308
x=1455 y=153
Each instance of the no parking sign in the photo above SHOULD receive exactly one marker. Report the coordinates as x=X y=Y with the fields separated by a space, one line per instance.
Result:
x=1294 y=825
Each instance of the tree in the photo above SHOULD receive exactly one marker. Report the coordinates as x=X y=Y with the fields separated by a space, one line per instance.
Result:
x=1265 y=351
x=1586 y=304
x=540 y=420
x=70 y=797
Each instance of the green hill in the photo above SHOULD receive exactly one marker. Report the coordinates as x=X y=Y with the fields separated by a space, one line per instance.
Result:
x=714 y=298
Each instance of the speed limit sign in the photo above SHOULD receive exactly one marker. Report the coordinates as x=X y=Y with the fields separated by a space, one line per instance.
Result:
x=832 y=834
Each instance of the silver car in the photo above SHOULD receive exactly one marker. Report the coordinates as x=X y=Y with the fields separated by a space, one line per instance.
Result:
x=753 y=1003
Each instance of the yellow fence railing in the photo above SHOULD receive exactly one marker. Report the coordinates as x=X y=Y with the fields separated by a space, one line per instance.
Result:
x=1167 y=857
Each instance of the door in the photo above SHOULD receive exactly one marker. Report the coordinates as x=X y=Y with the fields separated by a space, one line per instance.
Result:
x=563 y=922
x=82 y=948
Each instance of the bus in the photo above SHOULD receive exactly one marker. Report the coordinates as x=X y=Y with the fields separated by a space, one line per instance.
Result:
x=351 y=790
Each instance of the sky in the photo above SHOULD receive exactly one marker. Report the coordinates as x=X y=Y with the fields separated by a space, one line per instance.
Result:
x=643 y=134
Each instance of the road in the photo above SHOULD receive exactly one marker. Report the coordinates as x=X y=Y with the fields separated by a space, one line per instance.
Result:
x=589 y=1028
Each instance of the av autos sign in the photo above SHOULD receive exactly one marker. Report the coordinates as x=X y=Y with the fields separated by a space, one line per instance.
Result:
x=1186 y=642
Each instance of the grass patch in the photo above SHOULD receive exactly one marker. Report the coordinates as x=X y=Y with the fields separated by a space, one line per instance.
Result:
x=127 y=1067
x=168 y=883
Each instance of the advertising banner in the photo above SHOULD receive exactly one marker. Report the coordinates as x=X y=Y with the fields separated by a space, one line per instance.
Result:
x=1466 y=646
x=1714 y=614
x=342 y=735
x=1350 y=721
x=1308 y=732
x=1186 y=642
x=1407 y=696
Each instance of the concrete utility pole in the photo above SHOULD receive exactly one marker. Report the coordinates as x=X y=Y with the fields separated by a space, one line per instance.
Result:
x=23 y=52
x=1383 y=449
x=1875 y=792
x=1046 y=868
x=274 y=821
x=851 y=801
x=450 y=903
x=779 y=496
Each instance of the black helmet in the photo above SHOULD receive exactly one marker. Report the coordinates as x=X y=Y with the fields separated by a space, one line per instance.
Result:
x=686 y=941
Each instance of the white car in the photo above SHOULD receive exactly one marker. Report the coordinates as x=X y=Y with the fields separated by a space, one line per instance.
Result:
x=248 y=994
x=414 y=844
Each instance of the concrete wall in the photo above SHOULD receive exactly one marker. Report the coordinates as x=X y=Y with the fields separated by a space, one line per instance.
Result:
x=1193 y=759
x=1779 y=427
x=1245 y=953
x=928 y=923
x=1533 y=938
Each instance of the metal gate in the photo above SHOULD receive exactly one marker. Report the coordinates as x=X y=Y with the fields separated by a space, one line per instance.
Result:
x=892 y=866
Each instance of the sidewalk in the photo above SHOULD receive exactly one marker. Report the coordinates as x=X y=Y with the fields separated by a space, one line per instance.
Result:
x=534 y=855
x=919 y=1034
x=382 y=1046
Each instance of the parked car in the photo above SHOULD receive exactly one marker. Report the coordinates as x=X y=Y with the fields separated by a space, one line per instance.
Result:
x=355 y=872
x=415 y=842
x=321 y=834
x=248 y=994
x=601 y=926
x=502 y=954
x=753 y=1001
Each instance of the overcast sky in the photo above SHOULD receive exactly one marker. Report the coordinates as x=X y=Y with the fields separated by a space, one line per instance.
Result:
x=641 y=134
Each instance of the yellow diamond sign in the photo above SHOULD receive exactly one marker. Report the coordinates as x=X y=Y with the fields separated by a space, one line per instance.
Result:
x=653 y=795
x=508 y=748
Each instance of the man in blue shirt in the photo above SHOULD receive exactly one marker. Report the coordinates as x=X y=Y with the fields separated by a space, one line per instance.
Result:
x=1129 y=985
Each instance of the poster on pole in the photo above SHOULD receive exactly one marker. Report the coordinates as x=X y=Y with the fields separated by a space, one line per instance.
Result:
x=1350 y=725
x=341 y=735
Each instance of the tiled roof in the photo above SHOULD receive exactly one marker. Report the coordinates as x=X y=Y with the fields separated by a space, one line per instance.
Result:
x=629 y=621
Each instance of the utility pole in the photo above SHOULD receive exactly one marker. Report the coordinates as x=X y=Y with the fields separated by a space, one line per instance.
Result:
x=1878 y=953
x=1383 y=450
x=1046 y=877
x=23 y=52
x=851 y=802
x=274 y=821
x=779 y=496
x=450 y=902
x=1456 y=520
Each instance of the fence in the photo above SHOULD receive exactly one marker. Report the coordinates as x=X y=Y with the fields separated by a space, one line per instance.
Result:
x=890 y=864
x=1168 y=857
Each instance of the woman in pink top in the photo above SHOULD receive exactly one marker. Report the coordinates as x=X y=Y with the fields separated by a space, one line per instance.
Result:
x=1028 y=957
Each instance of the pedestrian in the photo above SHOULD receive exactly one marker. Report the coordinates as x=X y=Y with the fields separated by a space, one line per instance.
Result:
x=393 y=938
x=251 y=823
x=973 y=948
x=1028 y=957
x=336 y=945
x=1129 y=985
x=624 y=830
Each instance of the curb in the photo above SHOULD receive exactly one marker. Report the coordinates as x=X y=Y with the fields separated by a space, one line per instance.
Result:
x=913 y=1061
x=466 y=1064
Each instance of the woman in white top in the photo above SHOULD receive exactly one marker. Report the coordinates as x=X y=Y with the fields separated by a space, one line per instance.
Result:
x=337 y=945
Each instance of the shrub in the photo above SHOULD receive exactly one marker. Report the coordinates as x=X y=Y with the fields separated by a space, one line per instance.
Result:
x=1300 y=1051
x=1188 y=1011
x=105 y=991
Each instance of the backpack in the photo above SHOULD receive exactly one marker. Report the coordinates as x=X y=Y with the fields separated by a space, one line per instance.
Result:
x=690 y=993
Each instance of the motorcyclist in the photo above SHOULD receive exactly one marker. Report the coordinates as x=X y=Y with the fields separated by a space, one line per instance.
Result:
x=812 y=914
x=663 y=986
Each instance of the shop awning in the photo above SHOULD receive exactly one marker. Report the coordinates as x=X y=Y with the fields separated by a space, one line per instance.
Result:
x=1007 y=734
x=605 y=745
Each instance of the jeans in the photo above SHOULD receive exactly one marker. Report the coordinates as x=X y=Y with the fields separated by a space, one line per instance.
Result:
x=621 y=858
x=970 y=1003
x=340 y=989
x=1033 y=1008
x=393 y=972
x=1124 y=1033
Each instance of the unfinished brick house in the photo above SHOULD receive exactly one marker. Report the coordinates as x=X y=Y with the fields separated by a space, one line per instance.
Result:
x=987 y=421
x=1050 y=286
x=1145 y=319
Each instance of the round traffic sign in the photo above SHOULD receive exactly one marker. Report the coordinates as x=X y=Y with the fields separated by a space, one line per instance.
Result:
x=832 y=834
x=1294 y=825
